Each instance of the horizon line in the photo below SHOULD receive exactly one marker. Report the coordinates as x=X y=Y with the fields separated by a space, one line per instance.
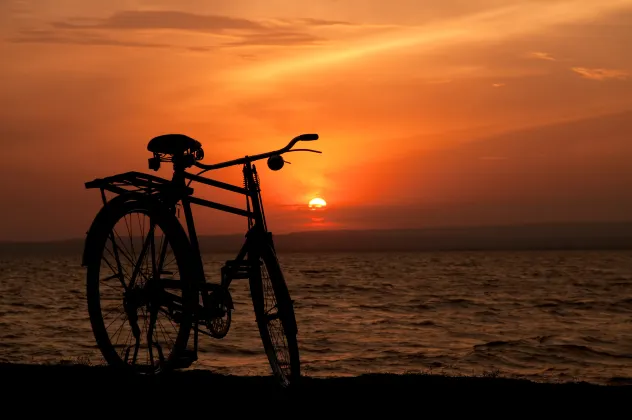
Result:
x=302 y=232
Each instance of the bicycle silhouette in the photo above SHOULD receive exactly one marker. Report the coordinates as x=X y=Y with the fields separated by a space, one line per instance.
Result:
x=160 y=274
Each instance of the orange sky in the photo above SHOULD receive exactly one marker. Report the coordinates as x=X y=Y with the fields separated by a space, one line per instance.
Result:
x=442 y=112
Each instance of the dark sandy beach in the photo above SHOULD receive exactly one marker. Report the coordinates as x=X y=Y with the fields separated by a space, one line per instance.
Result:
x=53 y=388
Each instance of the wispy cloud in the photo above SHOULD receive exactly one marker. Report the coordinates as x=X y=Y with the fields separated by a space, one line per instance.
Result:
x=541 y=56
x=143 y=20
x=316 y=22
x=275 y=38
x=506 y=21
x=90 y=39
x=497 y=85
x=176 y=20
x=244 y=32
x=601 y=74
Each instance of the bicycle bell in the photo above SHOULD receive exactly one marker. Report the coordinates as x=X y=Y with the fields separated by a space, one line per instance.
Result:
x=275 y=162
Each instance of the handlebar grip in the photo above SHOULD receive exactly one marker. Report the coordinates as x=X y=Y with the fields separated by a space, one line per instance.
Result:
x=306 y=137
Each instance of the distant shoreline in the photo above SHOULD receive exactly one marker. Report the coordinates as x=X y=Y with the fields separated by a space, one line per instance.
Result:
x=535 y=237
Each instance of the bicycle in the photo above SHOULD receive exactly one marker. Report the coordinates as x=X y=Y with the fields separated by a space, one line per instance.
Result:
x=180 y=292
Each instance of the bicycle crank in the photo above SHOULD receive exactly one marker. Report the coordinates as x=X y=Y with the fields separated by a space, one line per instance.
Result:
x=217 y=310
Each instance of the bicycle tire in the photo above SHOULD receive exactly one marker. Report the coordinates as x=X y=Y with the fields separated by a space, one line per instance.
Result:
x=265 y=257
x=95 y=248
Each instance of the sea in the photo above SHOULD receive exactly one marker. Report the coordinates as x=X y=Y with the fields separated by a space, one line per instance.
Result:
x=546 y=316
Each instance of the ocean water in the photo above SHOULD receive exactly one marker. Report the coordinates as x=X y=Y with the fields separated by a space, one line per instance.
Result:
x=546 y=316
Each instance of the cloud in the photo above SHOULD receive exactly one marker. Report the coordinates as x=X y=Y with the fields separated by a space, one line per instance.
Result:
x=52 y=37
x=504 y=22
x=497 y=85
x=175 y=20
x=541 y=56
x=245 y=32
x=318 y=22
x=601 y=74
x=199 y=49
x=143 y=20
x=276 y=38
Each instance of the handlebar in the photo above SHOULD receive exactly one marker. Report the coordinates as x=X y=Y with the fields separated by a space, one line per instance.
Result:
x=247 y=159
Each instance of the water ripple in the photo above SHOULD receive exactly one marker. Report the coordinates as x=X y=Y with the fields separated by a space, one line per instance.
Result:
x=539 y=315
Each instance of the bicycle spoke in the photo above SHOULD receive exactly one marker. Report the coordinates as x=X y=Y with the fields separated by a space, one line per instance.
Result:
x=145 y=250
x=139 y=263
x=118 y=261
x=272 y=316
x=120 y=273
x=272 y=313
x=122 y=312
x=164 y=333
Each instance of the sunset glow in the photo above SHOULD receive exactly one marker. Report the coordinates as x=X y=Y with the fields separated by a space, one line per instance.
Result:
x=436 y=113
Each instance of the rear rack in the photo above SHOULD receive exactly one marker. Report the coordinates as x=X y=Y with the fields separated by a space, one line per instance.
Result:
x=136 y=182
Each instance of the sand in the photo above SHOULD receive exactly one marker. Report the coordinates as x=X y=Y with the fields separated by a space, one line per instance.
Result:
x=92 y=389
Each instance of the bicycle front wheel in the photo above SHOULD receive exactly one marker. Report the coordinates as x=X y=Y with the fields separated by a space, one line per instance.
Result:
x=274 y=313
x=139 y=285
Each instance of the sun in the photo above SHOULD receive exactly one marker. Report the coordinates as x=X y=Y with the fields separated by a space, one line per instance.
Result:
x=317 y=203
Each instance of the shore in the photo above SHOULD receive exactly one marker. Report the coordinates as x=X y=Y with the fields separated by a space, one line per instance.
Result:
x=95 y=385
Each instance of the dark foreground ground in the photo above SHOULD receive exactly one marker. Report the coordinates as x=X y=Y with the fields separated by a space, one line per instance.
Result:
x=93 y=390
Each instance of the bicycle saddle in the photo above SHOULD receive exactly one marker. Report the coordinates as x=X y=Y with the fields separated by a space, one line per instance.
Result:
x=173 y=144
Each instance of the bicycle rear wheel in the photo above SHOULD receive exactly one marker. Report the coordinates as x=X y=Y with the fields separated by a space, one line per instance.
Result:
x=139 y=285
x=274 y=313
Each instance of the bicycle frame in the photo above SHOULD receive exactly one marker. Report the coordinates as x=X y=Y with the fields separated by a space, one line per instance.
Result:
x=176 y=191
x=182 y=193
x=168 y=194
x=257 y=227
